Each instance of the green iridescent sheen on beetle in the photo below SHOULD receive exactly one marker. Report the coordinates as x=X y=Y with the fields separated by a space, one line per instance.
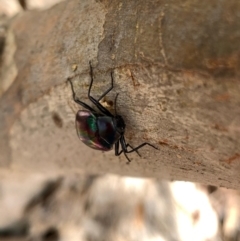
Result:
x=96 y=130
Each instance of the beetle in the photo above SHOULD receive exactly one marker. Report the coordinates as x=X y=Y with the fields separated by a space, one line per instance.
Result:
x=100 y=129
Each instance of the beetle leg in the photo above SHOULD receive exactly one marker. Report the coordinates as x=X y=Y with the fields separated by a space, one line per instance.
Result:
x=108 y=90
x=140 y=146
x=127 y=158
x=125 y=145
x=100 y=107
x=115 y=104
x=94 y=101
x=118 y=153
x=79 y=101
x=124 y=150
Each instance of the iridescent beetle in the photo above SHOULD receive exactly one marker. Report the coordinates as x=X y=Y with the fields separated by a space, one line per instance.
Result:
x=101 y=129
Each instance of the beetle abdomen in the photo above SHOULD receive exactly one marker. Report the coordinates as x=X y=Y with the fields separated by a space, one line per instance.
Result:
x=95 y=130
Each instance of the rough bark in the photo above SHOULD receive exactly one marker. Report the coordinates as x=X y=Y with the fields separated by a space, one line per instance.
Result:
x=176 y=69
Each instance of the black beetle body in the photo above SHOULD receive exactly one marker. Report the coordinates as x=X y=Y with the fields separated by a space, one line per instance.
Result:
x=101 y=130
x=98 y=131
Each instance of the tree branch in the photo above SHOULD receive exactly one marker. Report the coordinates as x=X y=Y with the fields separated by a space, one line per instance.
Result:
x=176 y=69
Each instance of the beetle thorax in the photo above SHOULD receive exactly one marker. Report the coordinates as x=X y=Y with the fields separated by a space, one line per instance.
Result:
x=120 y=124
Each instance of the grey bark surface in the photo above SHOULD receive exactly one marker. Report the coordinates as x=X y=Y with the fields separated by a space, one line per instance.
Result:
x=176 y=69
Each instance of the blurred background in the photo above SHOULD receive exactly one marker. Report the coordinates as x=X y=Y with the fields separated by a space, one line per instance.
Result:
x=109 y=207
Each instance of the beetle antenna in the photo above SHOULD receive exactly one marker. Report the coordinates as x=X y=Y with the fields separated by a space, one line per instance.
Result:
x=115 y=104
